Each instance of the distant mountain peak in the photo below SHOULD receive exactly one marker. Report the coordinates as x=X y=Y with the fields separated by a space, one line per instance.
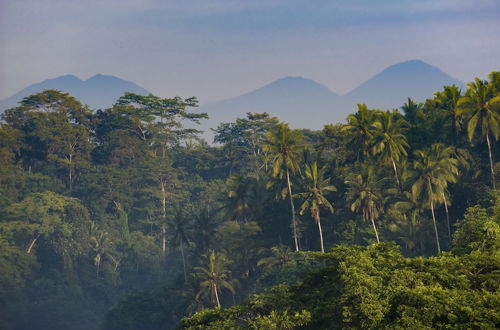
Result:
x=100 y=77
x=99 y=91
x=295 y=80
x=63 y=78
x=416 y=65
x=294 y=85
x=391 y=87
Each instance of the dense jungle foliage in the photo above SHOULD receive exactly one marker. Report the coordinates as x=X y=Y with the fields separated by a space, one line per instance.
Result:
x=123 y=218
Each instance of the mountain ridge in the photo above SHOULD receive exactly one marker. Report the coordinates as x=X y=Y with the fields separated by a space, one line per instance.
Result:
x=305 y=103
x=99 y=91
x=302 y=102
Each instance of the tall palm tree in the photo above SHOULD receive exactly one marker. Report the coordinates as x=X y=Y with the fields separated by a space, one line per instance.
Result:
x=360 y=128
x=284 y=149
x=239 y=192
x=435 y=168
x=406 y=222
x=481 y=107
x=366 y=192
x=205 y=227
x=314 y=197
x=214 y=276
x=389 y=140
x=178 y=226
x=100 y=244
x=412 y=111
x=447 y=102
x=280 y=255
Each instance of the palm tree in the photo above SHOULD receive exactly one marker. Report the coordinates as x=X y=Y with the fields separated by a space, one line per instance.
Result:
x=239 y=193
x=389 y=140
x=284 y=150
x=100 y=245
x=281 y=255
x=214 y=277
x=178 y=226
x=480 y=105
x=447 y=102
x=406 y=224
x=365 y=190
x=435 y=168
x=205 y=227
x=360 y=128
x=314 y=196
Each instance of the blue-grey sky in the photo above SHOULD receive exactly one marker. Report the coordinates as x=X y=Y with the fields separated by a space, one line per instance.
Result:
x=222 y=48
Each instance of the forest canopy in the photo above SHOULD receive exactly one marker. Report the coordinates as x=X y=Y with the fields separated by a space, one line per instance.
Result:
x=124 y=218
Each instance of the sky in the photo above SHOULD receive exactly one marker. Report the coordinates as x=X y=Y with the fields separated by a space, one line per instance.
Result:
x=221 y=48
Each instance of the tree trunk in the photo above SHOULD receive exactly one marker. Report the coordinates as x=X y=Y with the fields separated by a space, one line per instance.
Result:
x=374 y=227
x=163 y=240
x=70 y=174
x=30 y=247
x=183 y=262
x=447 y=215
x=318 y=221
x=491 y=162
x=435 y=226
x=163 y=198
x=216 y=295
x=396 y=174
x=294 y=225
x=164 y=215
x=98 y=264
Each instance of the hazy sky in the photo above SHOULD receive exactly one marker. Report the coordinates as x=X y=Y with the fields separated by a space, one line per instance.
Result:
x=222 y=48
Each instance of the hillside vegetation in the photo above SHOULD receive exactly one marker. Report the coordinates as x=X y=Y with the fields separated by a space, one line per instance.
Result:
x=123 y=218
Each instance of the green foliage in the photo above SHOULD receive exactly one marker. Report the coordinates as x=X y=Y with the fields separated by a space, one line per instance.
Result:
x=129 y=202
x=479 y=230
x=373 y=287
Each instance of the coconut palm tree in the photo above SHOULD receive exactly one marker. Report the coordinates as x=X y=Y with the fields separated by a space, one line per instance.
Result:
x=447 y=102
x=280 y=255
x=240 y=190
x=205 y=227
x=360 y=128
x=283 y=147
x=213 y=276
x=178 y=232
x=389 y=140
x=314 y=197
x=100 y=244
x=434 y=169
x=366 y=192
x=481 y=107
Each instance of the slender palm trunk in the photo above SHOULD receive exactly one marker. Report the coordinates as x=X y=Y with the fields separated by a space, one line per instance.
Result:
x=163 y=239
x=318 y=221
x=183 y=262
x=491 y=162
x=70 y=172
x=435 y=227
x=447 y=214
x=30 y=247
x=164 y=214
x=396 y=173
x=294 y=225
x=98 y=264
x=374 y=228
x=216 y=295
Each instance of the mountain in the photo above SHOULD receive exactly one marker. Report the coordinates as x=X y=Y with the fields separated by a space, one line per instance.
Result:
x=299 y=101
x=391 y=88
x=99 y=91
x=304 y=103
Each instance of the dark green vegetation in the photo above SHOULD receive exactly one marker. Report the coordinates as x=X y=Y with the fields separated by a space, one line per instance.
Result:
x=123 y=219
